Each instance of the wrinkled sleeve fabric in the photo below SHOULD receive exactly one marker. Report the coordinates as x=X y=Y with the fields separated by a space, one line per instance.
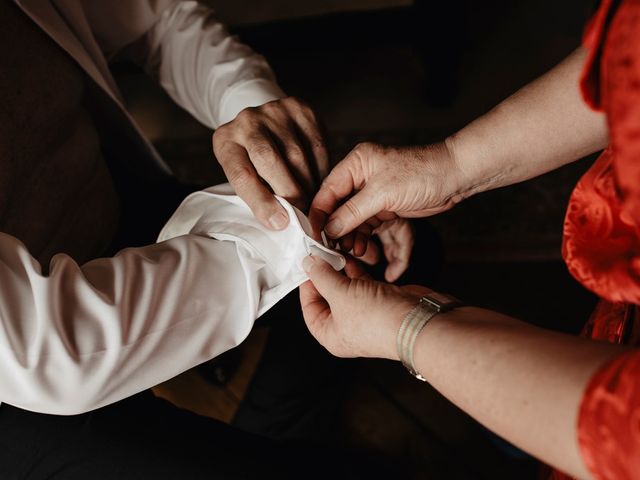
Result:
x=609 y=420
x=83 y=337
x=207 y=71
x=86 y=336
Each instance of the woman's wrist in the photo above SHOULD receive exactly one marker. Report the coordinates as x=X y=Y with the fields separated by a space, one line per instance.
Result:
x=437 y=172
x=403 y=309
x=471 y=172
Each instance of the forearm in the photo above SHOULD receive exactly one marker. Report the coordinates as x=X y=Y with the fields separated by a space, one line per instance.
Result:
x=541 y=127
x=522 y=382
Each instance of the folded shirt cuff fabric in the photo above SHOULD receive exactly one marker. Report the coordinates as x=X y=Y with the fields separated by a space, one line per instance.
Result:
x=271 y=261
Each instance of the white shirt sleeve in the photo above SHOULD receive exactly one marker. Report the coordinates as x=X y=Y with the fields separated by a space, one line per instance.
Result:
x=205 y=69
x=83 y=337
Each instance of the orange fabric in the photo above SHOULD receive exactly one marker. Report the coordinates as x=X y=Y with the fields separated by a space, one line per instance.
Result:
x=601 y=244
x=601 y=237
x=610 y=420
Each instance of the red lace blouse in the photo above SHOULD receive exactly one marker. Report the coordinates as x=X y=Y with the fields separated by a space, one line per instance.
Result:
x=602 y=241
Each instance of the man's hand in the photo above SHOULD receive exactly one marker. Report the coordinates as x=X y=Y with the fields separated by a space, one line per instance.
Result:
x=276 y=148
x=354 y=316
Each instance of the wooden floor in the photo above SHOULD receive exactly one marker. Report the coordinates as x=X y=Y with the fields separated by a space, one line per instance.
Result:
x=386 y=411
x=192 y=392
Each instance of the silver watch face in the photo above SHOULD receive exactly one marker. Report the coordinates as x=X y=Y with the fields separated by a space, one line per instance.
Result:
x=441 y=301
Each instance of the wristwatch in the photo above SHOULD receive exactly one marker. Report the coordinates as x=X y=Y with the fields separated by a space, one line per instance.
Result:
x=428 y=307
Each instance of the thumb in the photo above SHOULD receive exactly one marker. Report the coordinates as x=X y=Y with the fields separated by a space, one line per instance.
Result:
x=327 y=281
x=354 y=212
x=266 y=207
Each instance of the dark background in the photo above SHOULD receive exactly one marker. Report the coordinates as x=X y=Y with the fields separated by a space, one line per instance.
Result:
x=412 y=75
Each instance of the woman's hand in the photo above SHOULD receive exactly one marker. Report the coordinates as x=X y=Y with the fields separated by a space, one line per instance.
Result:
x=375 y=185
x=522 y=382
x=397 y=239
x=352 y=315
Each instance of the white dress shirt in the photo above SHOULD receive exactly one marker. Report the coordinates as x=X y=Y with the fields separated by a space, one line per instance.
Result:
x=85 y=336
x=205 y=70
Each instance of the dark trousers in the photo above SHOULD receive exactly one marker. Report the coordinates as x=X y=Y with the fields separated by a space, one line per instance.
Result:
x=144 y=437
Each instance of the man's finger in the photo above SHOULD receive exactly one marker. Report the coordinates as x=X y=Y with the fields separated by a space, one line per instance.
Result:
x=273 y=169
x=246 y=183
x=312 y=133
x=327 y=281
x=297 y=157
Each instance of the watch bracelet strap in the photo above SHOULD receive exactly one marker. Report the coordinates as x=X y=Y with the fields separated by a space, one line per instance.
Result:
x=411 y=326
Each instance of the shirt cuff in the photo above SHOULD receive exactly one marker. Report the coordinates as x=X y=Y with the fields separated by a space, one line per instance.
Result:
x=252 y=93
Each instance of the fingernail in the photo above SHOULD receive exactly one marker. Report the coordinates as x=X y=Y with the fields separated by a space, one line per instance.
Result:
x=333 y=228
x=278 y=220
x=307 y=263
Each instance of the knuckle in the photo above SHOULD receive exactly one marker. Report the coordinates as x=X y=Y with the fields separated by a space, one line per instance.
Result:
x=220 y=137
x=311 y=115
x=247 y=112
x=294 y=152
x=222 y=147
x=352 y=209
x=362 y=152
x=317 y=143
x=221 y=132
x=248 y=116
x=364 y=147
x=262 y=151
x=241 y=175
x=270 y=106
x=370 y=148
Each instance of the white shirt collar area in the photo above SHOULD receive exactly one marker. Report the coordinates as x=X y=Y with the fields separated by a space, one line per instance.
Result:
x=271 y=261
